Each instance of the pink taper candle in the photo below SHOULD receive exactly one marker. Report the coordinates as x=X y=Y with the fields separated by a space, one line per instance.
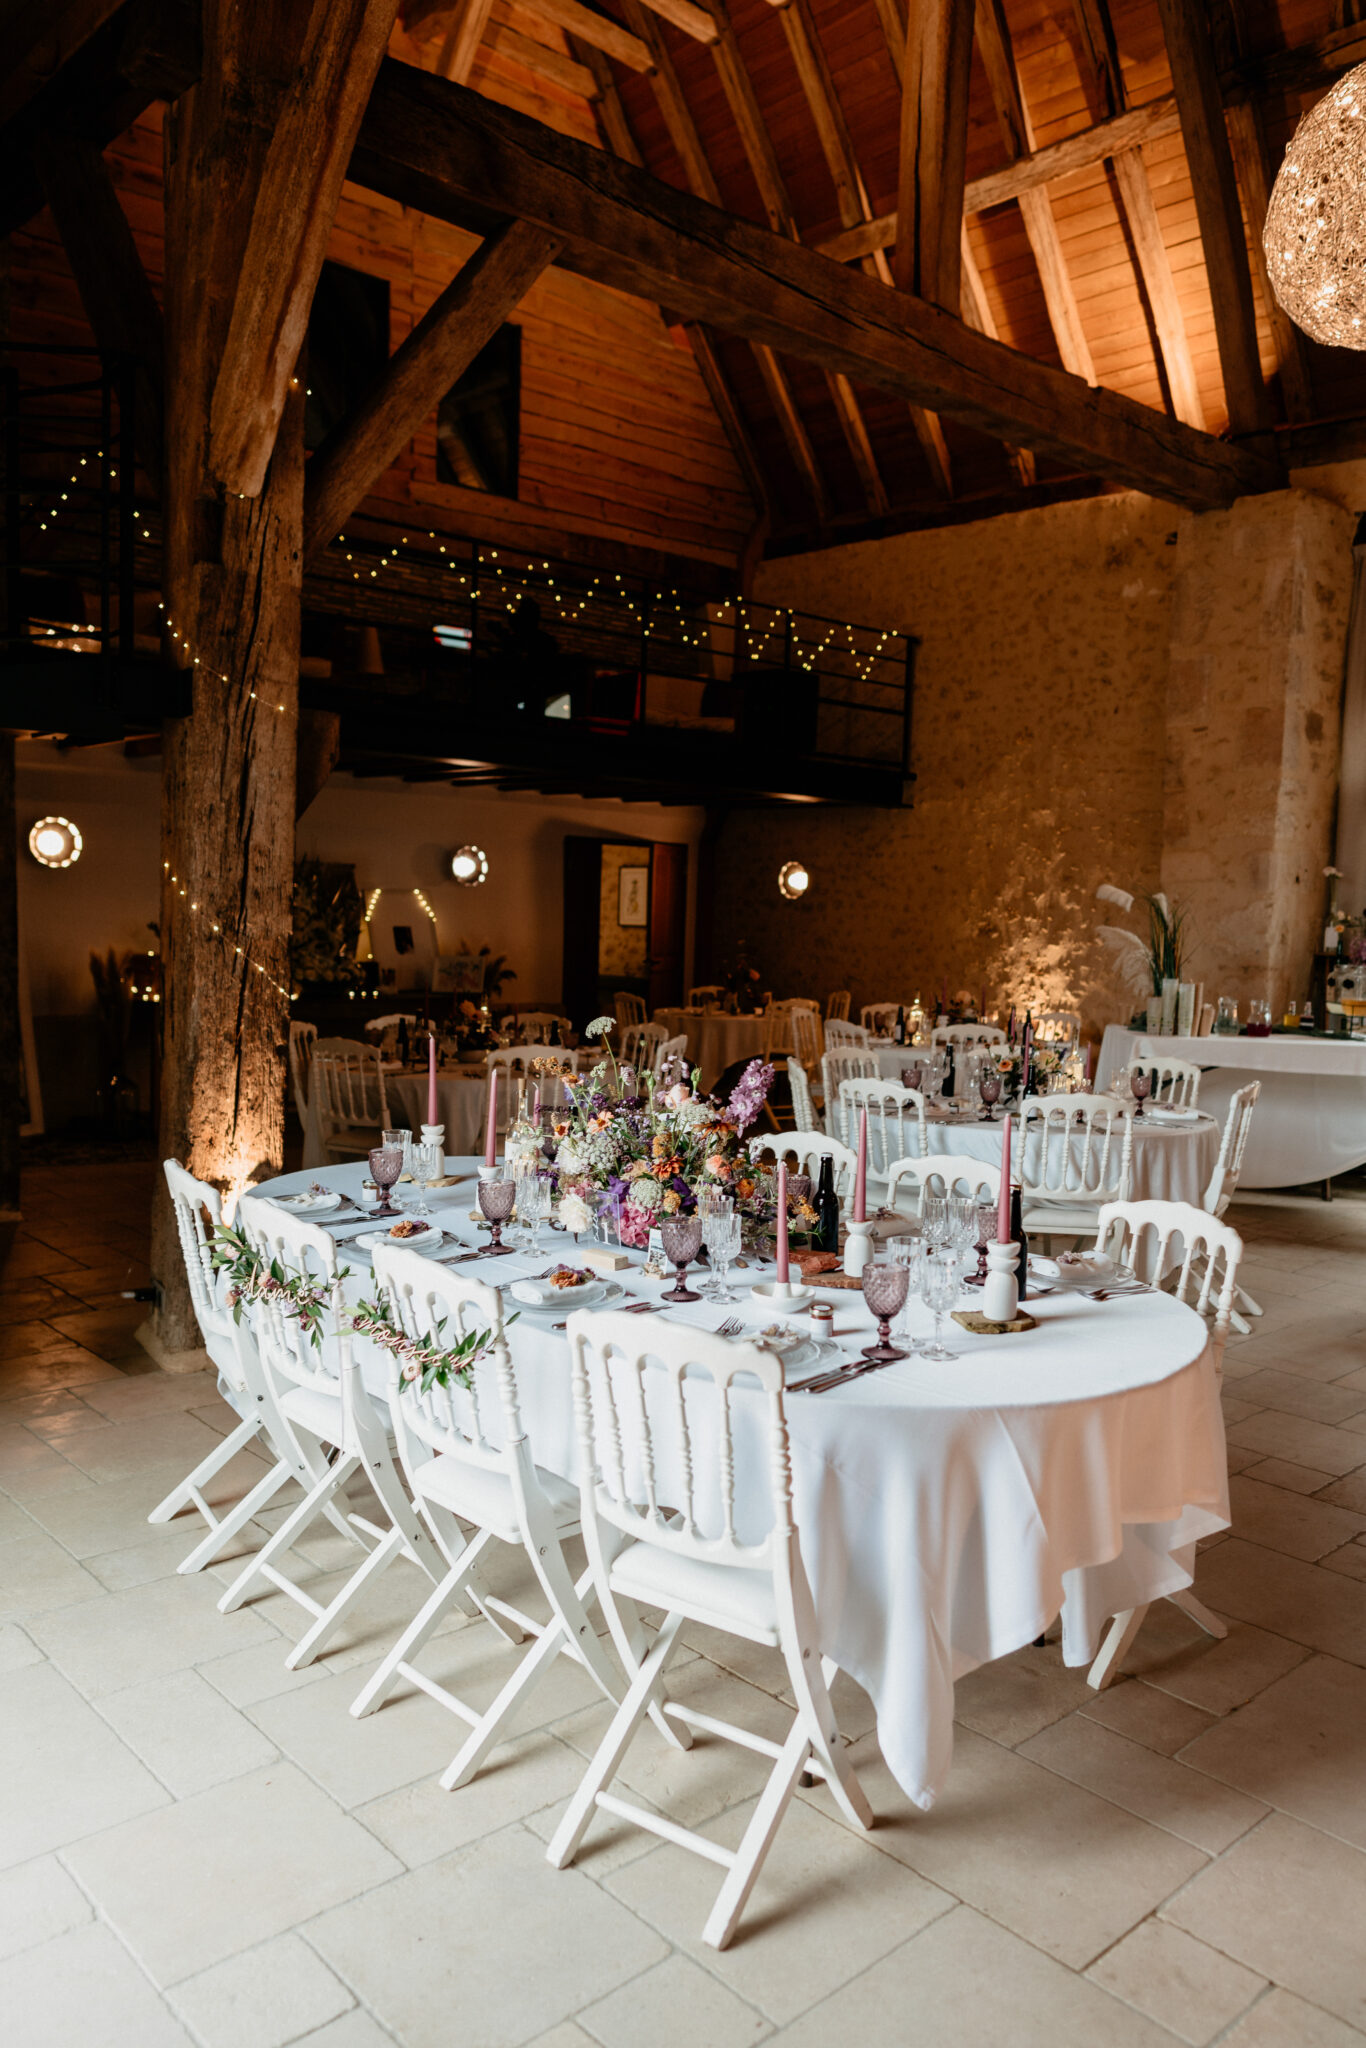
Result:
x=861 y=1171
x=536 y=1104
x=1086 y=1069
x=431 y=1081
x=1003 y=1206
x=491 y=1139
x=782 y=1225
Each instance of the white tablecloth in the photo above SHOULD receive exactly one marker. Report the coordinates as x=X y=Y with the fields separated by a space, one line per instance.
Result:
x=949 y=1512
x=715 y=1041
x=1170 y=1164
x=462 y=1100
x=1310 y=1120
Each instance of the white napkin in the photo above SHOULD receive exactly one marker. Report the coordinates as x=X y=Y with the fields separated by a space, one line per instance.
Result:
x=532 y=1290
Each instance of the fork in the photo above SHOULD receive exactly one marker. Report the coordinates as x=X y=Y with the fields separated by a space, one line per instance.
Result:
x=732 y=1327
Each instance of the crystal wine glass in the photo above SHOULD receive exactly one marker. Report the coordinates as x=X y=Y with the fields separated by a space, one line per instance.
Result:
x=724 y=1245
x=986 y=1220
x=989 y=1088
x=682 y=1236
x=908 y=1252
x=386 y=1164
x=934 y=1219
x=1141 y=1084
x=710 y=1204
x=404 y=1141
x=524 y=1201
x=427 y=1167
x=884 y=1289
x=496 y=1198
x=939 y=1285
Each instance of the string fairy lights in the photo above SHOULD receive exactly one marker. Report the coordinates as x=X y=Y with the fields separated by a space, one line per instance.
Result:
x=241 y=952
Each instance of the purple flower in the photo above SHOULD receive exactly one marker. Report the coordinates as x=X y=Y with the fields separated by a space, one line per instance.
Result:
x=750 y=1093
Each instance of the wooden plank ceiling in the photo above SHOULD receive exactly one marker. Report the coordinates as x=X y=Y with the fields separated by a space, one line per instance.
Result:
x=1070 y=127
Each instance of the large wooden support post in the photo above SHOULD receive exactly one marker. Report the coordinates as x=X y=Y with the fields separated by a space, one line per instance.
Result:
x=11 y=1049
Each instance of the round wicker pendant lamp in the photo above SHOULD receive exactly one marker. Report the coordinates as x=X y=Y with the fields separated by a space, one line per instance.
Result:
x=1315 y=234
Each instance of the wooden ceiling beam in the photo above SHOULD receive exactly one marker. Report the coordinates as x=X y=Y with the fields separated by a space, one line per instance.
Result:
x=694 y=21
x=613 y=124
x=1036 y=208
x=450 y=334
x=460 y=45
x=39 y=40
x=451 y=153
x=551 y=65
x=1200 y=101
x=1102 y=78
x=598 y=30
x=936 y=71
x=291 y=219
x=754 y=136
x=977 y=313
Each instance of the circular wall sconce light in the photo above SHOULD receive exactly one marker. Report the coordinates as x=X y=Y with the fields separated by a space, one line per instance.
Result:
x=793 y=880
x=55 y=843
x=469 y=866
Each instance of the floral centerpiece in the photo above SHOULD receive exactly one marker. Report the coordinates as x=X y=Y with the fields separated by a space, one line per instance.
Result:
x=642 y=1152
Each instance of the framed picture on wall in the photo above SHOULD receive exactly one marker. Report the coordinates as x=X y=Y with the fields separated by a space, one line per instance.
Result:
x=633 y=896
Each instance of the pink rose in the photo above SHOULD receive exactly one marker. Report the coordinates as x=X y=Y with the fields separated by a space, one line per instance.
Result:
x=635 y=1226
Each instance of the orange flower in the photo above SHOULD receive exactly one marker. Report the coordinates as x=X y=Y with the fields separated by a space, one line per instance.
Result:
x=745 y=1188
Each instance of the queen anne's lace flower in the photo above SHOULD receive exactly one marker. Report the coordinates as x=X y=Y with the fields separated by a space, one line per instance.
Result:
x=599 y=1027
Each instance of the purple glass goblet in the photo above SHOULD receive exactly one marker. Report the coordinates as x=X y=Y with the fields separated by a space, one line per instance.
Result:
x=1141 y=1087
x=884 y=1290
x=798 y=1187
x=913 y=1076
x=682 y=1237
x=989 y=1088
x=386 y=1164
x=496 y=1199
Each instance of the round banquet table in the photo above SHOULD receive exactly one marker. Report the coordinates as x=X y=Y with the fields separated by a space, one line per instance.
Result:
x=715 y=1041
x=948 y=1511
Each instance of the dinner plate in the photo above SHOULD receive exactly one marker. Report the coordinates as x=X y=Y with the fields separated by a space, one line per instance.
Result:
x=599 y=1294
x=1087 y=1272
x=798 y=1357
x=429 y=1241
x=307 y=1204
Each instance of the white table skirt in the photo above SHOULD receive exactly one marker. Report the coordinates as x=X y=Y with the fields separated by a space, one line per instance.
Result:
x=715 y=1041
x=462 y=1101
x=949 y=1512
x=1310 y=1120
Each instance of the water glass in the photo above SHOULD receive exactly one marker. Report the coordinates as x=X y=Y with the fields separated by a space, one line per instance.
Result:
x=939 y=1285
x=1226 y=1017
x=526 y=1201
x=404 y=1140
x=934 y=1219
x=709 y=1206
x=908 y=1252
x=721 y=1233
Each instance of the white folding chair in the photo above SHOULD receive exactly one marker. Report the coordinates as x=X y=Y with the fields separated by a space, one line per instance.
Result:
x=807 y=1040
x=841 y=1035
x=1057 y=1027
x=322 y=1398
x=198 y=1212
x=1206 y=1242
x=878 y=1018
x=302 y=1039
x=1224 y=1180
x=897 y=1126
x=352 y=1107
x=954 y=1172
x=671 y=1058
x=686 y=1483
x=536 y=1024
x=958 y=1035
x=640 y=1044
x=460 y=1474
x=837 y=1006
x=1176 y=1082
x=803 y=1109
x=628 y=1009
x=1075 y=1153
x=840 y=1064
x=706 y=992
x=809 y=1148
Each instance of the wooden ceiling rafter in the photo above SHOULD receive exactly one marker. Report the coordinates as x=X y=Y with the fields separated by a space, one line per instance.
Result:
x=464 y=34
x=598 y=31
x=1102 y=77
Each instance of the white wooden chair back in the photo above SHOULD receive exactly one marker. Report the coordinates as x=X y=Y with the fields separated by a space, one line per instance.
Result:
x=656 y=1416
x=1081 y=1151
x=838 y=1065
x=1208 y=1243
x=198 y=1212
x=945 y=1173
x=1232 y=1145
x=628 y=1009
x=837 y=1006
x=447 y=1421
x=879 y=1018
x=803 y=1108
x=289 y=1355
x=671 y=1061
x=302 y=1039
x=351 y=1091
x=638 y=1045
x=535 y=1024
x=840 y=1034
x=807 y=1042
x=809 y=1148
x=958 y=1035
x=1176 y=1083
x=516 y=1059
x=706 y=992
x=897 y=1126
x=1057 y=1027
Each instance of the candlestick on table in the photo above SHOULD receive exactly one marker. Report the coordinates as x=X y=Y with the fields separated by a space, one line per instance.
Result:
x=536 y=1104
x=432 y=1107
x=783 y=1280
x=1003 y=1202
x=491 y=1136
x=861 y=1170
x=1086 y=1066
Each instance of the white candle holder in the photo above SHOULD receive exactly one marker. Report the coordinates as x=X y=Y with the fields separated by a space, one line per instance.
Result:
x=491 y=1173
x=858 y=1248
x=1001 y=1288
x=435 y=1134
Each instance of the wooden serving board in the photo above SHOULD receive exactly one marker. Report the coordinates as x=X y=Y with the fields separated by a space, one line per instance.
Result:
x=973 y=1319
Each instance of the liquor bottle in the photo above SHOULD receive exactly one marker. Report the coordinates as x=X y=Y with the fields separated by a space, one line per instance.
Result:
x=827 y=1231
x=899 y=1033
x=950 y=1071
x=1017 y=1236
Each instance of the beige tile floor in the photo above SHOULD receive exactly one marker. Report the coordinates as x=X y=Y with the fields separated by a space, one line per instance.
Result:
x=198 y=1846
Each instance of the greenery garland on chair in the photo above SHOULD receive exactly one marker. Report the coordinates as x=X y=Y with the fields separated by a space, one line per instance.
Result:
x=425 y=1362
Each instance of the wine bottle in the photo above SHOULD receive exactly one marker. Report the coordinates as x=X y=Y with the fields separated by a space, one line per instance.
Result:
x=403 y=1041
x=1017 y=1236
x=827 y=1232
x=950 y=1071
x=553 y=1035
x=899 y=1034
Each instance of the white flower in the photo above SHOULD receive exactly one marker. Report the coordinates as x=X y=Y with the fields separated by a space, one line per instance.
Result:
x=678 y=1095
x=600 y=1026
x=575 y=1214
x=1108 y=893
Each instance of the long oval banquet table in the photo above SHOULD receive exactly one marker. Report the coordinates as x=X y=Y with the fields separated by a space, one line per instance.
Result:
x=948 y=1511
x=1310 y=1120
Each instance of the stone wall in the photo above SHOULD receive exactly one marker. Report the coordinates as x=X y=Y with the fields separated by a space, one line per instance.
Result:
x=1059 y=648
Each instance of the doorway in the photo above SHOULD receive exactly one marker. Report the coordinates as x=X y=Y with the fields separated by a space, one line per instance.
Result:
x=625 y=913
